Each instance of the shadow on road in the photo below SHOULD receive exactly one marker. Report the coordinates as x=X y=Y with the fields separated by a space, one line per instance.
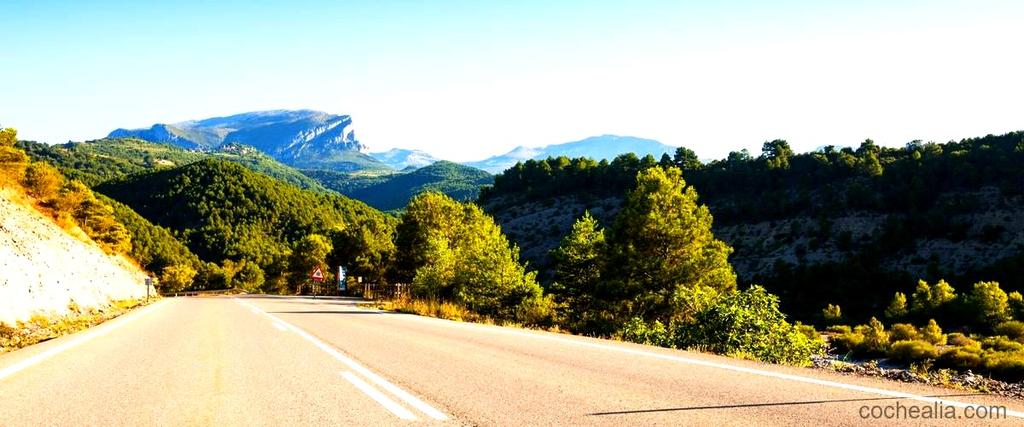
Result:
x=759 y=405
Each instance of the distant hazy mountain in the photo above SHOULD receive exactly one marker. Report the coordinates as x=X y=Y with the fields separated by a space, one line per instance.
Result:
x=400 y=158
x=303 y=138
x=596 y=147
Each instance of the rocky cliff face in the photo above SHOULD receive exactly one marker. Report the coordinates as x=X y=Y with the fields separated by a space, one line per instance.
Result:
x=43 y=269
x=992 y=231
x=304 y=137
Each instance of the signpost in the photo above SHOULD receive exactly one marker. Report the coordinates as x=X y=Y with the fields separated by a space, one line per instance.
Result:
x=318 y=277
x=342 y=286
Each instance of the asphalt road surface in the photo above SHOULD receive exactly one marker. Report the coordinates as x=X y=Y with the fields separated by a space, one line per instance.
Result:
x=257 y=360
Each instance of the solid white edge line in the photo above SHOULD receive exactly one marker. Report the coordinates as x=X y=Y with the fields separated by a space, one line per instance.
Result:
x=759 y=372
x=383 y=400
x=86 y=336
x=278 y=325
x=352 y=364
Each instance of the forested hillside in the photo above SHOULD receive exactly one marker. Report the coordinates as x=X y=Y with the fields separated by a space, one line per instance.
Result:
x=228 y=214
x=93 y=162
x=393 y=191
x=817 y=227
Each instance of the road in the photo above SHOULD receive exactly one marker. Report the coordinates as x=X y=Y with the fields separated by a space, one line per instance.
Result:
x=257 y=360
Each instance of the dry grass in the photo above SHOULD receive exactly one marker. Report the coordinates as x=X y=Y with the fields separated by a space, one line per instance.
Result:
x=429 y=307
x=41 y=327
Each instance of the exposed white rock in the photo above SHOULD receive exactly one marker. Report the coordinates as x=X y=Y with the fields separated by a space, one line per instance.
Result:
x=44 y=269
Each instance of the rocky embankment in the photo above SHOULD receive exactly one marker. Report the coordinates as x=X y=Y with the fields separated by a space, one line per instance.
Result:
x=45 y=270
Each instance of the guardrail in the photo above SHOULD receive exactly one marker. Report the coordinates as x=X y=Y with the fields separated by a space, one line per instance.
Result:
x=205 y=293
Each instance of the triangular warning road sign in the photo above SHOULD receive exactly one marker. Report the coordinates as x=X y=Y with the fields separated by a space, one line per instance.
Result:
x=318 y=274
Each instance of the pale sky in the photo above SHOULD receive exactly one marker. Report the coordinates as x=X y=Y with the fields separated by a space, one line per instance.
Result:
x=464 y=80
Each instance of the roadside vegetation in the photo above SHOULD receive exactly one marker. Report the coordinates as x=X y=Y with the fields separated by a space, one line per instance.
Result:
x=987 y=333
x=42 y=327
x=657 y=276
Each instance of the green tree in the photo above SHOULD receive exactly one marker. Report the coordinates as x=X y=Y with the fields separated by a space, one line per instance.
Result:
x=686 y=159
x=777 y=154
x=579 y=261
x=921 y=299
x=942 y=293
x=1016 y=302
x=248 y=277
x=176 y=278
x=456 y=252
x=933 y=333
x=989 y=303
x=898 y=307
x=8 y=137
x=12 y=160
x=662 y=242
x=832 y=313
x=309 y=252
x=42 y=181
x=428 y=214
x=876 y=339
x=366 y=248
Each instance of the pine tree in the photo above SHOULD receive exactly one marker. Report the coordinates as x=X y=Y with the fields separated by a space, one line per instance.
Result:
x=898 y=307
x=933 y=333
x=662 y=242
x=579 y=262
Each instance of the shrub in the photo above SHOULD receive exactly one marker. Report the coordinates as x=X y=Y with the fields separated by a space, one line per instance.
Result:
x=638 y=331
x=912 y=351
x=876 y=339
x=902 y=332
x=1005 y=366
x=960 y=358
x=42 y=181
x=538 y=311
x=1013 y=329
x=807 y=330
x=932 y=333
x=839 y=329
x=12 y=160
x=962 y=340
x=1001 y=343
x=832 y=313
x=847 y=342
x=748 y=322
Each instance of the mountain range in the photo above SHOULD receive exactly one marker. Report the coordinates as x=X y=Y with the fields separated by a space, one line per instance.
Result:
x=308 y=139
x=596 y=147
